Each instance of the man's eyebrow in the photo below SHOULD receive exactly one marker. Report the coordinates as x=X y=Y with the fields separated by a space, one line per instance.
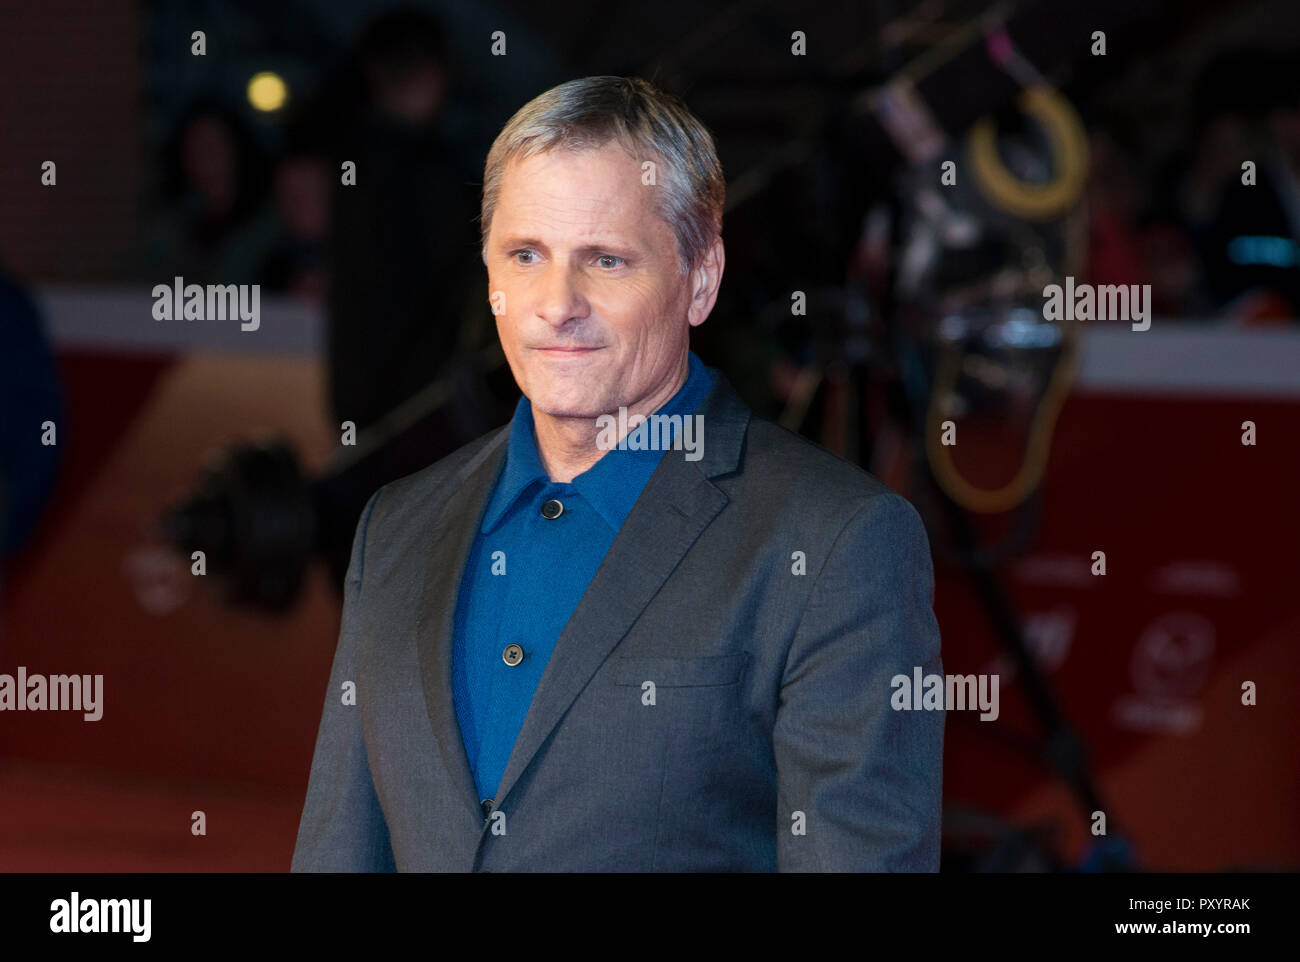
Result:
x=511 y=243
x=520 y=242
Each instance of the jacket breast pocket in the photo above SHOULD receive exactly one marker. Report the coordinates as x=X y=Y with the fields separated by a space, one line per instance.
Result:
x=715 y=671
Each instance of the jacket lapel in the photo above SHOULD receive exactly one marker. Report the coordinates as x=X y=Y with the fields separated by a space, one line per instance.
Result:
x=449 y=542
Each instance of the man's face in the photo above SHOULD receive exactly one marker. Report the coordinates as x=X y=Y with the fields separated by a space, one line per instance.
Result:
x=596 y=311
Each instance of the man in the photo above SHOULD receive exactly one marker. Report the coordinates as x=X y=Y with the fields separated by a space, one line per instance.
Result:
x=561 y=651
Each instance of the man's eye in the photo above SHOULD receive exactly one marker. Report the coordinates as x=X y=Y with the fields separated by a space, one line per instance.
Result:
x=515 y=254
x=609 y=257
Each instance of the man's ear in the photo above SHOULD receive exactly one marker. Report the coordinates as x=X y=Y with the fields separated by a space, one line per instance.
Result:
x=705 y=280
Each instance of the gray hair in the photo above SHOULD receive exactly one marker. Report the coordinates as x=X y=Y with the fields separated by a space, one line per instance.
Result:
x=651 y=123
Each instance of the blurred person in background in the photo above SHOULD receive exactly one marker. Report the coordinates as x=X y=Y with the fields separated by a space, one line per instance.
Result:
x=296 y=264
x=403 y=241
x=214 y=227
x=29 y=397
x=1133 y=234
x=1248 y=234
x=1114 y=195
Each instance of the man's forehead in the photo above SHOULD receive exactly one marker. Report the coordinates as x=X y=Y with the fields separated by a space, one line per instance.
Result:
x=599 y=188
x=603 y=176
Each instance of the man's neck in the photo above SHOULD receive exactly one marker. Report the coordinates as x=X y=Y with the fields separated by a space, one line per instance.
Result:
x=568 y=446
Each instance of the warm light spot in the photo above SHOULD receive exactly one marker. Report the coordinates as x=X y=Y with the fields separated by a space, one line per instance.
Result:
x=267 y=91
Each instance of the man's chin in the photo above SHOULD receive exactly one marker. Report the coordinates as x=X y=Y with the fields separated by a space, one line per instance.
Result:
x=563 y=405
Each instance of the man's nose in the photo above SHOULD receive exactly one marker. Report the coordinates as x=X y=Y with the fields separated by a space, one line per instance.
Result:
x=560 y=298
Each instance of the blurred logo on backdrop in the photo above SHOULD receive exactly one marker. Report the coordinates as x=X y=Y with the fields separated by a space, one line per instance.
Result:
x=1170 y=665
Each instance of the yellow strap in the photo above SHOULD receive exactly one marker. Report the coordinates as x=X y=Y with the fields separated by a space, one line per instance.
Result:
x=1068 y=143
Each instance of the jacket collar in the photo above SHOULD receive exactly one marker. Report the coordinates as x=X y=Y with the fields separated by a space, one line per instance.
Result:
x=611 y=485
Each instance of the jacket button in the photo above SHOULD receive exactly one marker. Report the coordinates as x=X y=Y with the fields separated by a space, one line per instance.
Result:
x=486 y=805
x=512 y=655
x=552 y=509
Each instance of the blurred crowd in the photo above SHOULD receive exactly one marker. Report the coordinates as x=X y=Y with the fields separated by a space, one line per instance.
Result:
x=1213 y=225
x=391 y=257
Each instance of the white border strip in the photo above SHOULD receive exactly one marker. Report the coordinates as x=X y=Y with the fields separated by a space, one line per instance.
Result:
x=121 y=318
x=1185 y=357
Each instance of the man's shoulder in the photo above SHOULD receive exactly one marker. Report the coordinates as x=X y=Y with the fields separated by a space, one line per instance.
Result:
x=793 y=485
x=779 y=462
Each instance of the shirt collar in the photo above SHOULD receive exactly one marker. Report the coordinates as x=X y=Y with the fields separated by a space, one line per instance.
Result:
x=613 y=484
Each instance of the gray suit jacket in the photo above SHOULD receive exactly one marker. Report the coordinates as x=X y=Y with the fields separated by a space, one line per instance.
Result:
x=769 y=591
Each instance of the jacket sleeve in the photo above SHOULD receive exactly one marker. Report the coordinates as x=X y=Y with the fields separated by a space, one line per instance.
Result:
x=866 y=778
x=342 y=827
